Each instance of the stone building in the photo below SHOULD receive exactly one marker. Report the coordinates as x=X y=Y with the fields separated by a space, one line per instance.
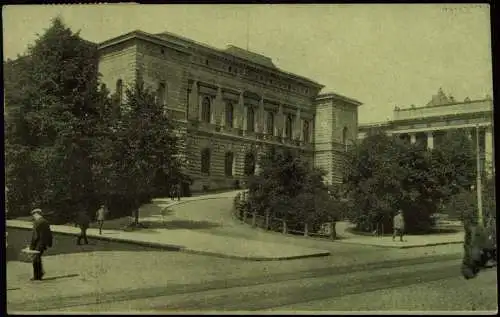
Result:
x=231 y=105
x=428 y=124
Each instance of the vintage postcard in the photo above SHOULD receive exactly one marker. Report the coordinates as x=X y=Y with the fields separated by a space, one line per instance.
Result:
x=249 y=159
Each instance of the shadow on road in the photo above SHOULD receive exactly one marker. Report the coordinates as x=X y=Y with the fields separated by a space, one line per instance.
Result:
x=18 y=239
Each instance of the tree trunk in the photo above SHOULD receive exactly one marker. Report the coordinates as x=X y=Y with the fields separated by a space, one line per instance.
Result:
x=267 y=219
x=306 y=230
x=285 y=229
x=333 y=230
x=254 y=219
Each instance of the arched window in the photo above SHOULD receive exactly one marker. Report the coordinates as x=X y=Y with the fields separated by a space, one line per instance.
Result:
x=249 y=167
x=250 y=119
x=288 y=126
x=344 y=136
x=228 y=164
x=229 y=114
x=270 y=123
x=305 y=129
x=205 y=110
x=205 y=161
x=119 y=91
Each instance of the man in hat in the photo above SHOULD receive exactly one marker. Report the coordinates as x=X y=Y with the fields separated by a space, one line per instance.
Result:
x=40 y=241
x=83 y=222
x=398 y=225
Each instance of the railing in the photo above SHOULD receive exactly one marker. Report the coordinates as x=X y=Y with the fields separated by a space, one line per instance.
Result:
x=277 y=224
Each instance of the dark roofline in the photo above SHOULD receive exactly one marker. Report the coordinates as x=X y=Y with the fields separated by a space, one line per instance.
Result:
x=331 y=95
x=185 y=48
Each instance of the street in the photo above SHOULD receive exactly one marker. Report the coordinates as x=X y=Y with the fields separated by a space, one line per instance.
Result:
x=107 y=276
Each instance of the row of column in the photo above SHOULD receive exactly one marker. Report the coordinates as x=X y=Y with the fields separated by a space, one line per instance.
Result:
x=485 y=144
x=240 y=115
x=484 y=133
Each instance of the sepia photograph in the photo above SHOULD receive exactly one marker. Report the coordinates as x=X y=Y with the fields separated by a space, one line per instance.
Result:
x=249 y=159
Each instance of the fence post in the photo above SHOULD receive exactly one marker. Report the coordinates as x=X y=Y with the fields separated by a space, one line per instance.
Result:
x=306 y=230
x=285 y=230
x=254 y=219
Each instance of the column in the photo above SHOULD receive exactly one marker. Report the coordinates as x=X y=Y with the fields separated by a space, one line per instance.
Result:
x=413 y=138
x=245 y=117
x=490 y=150
x=199 y=101
x=278 y=120
x=219 y=108
x=297 y=125
x=241 y=112
x=194 y=103
x=430 y=140
x=283 y=133
x=311 y=130
x=261 y=117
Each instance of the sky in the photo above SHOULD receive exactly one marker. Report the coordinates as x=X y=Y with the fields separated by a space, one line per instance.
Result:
x=384 y=55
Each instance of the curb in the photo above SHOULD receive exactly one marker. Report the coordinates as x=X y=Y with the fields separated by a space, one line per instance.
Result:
x=177 y=248
x=402 y=246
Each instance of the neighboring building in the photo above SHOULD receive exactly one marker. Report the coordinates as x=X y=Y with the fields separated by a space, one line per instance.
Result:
x=429 y=123
x=231 y=105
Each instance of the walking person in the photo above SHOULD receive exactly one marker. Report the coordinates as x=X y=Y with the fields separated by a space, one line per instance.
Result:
x=40 y=241
x=101 y=216
x=83 y=222
x=178 y=191
x=398 y=225
x=172 y=192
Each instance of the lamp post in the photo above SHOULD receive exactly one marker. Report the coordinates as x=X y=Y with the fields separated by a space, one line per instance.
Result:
x=478 y=180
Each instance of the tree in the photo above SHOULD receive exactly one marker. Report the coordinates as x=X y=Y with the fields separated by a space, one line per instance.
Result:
x=52 y=102
x=387 y=173
x=139 y=149
x=289 y=189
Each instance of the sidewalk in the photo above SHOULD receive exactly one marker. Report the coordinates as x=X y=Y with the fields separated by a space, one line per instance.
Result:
x=230 y=226
x=193 y=241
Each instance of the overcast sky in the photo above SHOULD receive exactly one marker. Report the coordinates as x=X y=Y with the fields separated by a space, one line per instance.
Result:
x=381 y=55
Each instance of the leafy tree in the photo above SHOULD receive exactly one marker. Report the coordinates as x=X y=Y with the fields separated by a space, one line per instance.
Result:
x=52 y=102
x=287 y=188
x=387 y=173
x=139 y=150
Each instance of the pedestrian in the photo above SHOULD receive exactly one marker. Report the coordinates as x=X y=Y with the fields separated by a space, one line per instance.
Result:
x=40 y=241
x=178 y=191
x=398 y=225
x=101 y=216
x=172 y=192
x=83 y=222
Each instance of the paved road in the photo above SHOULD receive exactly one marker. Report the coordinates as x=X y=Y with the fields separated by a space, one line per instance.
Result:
x=426 y=287
x=120 y=277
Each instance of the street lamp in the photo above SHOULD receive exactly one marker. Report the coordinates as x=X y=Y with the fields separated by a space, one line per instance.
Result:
x=478 y=180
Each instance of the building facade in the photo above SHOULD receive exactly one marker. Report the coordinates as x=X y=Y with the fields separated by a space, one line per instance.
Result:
x=231 y=105
x=428 y=124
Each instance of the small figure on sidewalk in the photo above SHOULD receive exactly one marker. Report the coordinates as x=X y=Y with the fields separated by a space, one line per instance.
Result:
x=40 y=241
x=172 y=192
x=399 y=226
x=178 y=191
x=83 y=222
x=101 y=216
